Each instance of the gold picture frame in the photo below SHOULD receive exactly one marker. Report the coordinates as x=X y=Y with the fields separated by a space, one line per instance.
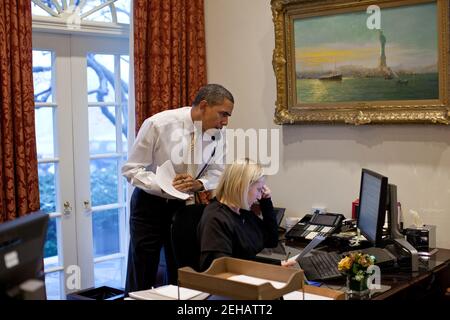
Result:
x=330 y=70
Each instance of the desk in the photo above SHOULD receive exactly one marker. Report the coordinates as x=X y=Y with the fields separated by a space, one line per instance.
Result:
x=430 y=283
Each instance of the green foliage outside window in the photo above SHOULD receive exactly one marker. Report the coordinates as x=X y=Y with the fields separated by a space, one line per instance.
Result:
x=105 y=193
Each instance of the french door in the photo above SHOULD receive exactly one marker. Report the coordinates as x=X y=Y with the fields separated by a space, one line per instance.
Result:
x=81 y=98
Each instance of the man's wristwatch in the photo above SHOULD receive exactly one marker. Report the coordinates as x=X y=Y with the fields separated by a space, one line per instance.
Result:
x=202 y=188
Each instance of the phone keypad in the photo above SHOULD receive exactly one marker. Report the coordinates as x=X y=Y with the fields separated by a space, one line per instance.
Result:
x=316 y=230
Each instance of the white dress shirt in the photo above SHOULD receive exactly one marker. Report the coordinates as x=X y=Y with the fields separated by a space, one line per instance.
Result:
x=168 y=135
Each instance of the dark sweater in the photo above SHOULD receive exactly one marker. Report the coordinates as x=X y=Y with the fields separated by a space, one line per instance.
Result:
x=222 y=232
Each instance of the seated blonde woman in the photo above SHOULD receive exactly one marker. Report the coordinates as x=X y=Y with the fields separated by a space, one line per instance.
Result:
x=228 y=227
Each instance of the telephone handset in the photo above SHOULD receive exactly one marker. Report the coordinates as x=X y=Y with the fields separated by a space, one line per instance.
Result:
x=318 y=224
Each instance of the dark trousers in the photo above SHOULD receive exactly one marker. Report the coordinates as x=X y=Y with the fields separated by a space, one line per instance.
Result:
x=150 y=220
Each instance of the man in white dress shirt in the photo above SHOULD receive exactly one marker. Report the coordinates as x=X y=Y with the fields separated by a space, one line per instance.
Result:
x=180 y=135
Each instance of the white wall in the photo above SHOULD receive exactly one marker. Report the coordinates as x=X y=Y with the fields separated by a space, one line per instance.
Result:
x=320 y=164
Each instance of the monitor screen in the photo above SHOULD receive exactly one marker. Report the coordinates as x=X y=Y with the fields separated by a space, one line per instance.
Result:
x=279 y=214
x=324 y=219
x=21 y=252
x=372 y=205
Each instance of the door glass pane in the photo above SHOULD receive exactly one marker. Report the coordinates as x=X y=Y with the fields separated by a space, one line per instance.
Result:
x=42 y=75
x=102 y=15
x=124 y=139
x=79 y=7
x=105 y=228
x=53 y=285
x=44 y=119
x=125 y=186
x=104 y=178
x=102 y=130
x=100 y=78
x=51 y=244
x=38 y=11
x=124 y=76
x=123 y=11
x=47 y=186
x=109 y=273
x=124 y=81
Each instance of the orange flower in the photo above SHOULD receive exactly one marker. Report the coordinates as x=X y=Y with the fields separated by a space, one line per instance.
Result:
x=345 y=264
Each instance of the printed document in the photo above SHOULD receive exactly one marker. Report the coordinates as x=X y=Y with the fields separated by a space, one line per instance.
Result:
x=164 y=178
x=257 y=281
x=168 y=292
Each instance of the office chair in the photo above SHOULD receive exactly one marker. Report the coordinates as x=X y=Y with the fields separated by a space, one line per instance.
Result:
x=183 y=232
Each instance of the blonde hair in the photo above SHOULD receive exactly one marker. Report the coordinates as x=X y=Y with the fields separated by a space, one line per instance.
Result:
x=235 y=182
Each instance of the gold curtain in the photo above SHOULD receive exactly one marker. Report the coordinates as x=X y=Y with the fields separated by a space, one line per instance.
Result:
x=19 y=187
x=169 y=54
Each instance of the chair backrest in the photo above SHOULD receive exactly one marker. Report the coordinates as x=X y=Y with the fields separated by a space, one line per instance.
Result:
x=186 y=248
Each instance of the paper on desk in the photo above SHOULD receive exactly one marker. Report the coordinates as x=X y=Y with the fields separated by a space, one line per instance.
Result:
x=171 y=291
x=294 y=258
x=164 y=178
x=297 y=295
x=256 y=281
x=314 y=243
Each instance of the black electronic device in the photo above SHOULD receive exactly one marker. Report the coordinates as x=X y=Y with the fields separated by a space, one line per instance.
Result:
x=21 y=257
x=372 y=210
x=318 y=224
x=422 y=238
x=372 y=206
x=322 y=266
x=374 y=202
x=279 y=213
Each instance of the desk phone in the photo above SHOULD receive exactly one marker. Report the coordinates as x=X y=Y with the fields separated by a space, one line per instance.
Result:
x=310 y=226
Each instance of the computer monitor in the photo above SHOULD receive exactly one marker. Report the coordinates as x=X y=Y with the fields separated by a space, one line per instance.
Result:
x=372 y=206
x=21 y=254
x=279 y=212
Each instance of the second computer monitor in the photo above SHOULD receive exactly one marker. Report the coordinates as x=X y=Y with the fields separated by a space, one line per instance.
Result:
x=372 y=205
x=21 y=255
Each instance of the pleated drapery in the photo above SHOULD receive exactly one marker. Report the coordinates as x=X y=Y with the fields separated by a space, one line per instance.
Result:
x=19 y=186
x=169 y=54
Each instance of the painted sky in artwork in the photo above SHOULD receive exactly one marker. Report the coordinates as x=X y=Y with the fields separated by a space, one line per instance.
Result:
x=343 y=39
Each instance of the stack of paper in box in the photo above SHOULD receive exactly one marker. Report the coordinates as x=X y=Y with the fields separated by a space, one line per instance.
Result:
x=294 y=295
x=169 y=292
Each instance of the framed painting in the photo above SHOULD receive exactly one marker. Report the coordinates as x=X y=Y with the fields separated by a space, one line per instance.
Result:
x=361 y=62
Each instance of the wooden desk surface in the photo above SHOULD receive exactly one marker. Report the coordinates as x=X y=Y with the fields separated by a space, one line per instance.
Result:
x=431 y=281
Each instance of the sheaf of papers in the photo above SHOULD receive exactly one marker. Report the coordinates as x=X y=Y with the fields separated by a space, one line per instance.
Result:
x=297 y=295
x=256 y=281
x=164 y=178
x=169 y=292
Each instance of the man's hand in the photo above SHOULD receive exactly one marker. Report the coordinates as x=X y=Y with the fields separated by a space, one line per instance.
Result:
x=185 y=183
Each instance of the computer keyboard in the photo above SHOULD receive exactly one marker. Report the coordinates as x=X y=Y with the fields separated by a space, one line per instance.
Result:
x=322 y=266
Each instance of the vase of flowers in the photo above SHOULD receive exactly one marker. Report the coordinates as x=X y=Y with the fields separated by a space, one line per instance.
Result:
x=354 y=266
